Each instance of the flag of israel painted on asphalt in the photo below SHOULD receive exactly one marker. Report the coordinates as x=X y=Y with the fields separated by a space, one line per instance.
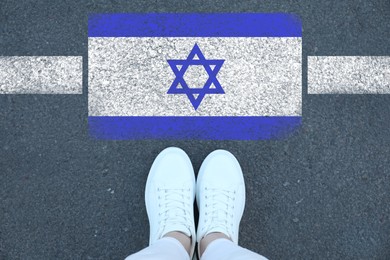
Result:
x=194 y=76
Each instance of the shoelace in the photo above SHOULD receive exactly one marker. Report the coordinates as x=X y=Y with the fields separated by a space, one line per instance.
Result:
x=219 y=208
x=174 y=207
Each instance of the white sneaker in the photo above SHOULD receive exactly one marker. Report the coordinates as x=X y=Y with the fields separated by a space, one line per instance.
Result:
x=170 y=194
x=220 y=195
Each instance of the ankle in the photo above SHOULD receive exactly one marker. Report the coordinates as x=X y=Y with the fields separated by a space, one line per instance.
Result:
x=182 y=238
x=206 y=240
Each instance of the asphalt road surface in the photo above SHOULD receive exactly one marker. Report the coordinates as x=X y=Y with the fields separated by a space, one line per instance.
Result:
x=323 y=193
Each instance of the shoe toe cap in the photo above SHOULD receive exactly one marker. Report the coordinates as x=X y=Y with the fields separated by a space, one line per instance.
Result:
x=172 y=167
x=222 y=169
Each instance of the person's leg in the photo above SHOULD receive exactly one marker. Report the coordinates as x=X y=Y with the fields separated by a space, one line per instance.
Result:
x=226 y=249
x=169 y=199
x=166 y=248
x=220 y=194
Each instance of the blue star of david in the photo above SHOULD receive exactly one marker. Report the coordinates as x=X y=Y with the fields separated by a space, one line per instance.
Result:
x=196 y=95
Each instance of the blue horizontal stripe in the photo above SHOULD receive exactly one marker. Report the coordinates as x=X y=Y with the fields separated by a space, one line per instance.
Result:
x=186 y=128
x=194 y=25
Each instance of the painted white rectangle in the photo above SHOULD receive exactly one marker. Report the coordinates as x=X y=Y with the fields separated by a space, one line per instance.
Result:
x=348 y=75
x=261 y=76
x=41 y=75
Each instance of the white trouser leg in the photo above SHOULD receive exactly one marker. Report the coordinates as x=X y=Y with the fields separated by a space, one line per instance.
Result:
x=166 y=248
x=225 y=249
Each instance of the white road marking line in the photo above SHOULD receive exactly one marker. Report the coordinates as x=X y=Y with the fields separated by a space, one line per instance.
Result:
x=41 y=75
x=349 y=75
